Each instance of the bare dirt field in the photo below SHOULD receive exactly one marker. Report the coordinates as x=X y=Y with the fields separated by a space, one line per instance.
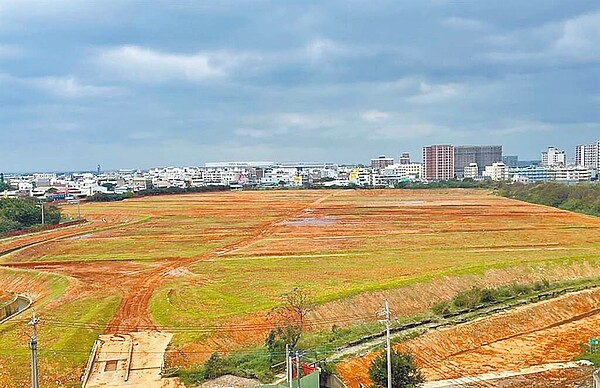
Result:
x=209 y=266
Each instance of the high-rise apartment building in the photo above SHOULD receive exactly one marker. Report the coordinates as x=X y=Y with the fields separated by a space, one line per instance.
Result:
x=482 y=155
x=554 y=157
x=588 y=155
x=438 y=162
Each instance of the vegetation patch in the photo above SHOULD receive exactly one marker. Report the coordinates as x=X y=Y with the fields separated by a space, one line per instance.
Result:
x=590 y=353
x=65 y=336
x=581 y=198
x=478 y=297
x=22 y=213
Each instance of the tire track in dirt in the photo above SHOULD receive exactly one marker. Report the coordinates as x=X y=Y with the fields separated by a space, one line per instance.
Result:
x=133 y=313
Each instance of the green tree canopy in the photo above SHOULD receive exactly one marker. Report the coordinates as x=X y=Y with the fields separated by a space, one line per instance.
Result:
x=405 y=373
x=22 y=213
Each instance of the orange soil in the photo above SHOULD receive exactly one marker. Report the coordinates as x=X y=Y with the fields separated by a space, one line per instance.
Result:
x=5 y=297
x=137 y=283
x=352 y=217
x=35 y=287
x=43 y=237
x=563 y=378
x=547 y=332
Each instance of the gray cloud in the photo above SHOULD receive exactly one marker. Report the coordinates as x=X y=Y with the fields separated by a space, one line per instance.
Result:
x=138 y=84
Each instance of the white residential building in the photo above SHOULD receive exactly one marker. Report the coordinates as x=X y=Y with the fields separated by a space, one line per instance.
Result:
x=496 y=172
x=404 y=171
x=360 y=176
x=571 y=174
x=471 y=171
x=554 y=157
x=588 y=155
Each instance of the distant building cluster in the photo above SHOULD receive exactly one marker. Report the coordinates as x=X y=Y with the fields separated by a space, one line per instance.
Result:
x=439 y=163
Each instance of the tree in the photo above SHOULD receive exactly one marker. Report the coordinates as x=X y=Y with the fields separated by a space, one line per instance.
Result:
x=279 y=337
x=290 y=317
x=405 y=373
x=297 y=304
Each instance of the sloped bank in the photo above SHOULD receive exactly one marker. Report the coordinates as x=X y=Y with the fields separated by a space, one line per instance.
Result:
x=539 y=333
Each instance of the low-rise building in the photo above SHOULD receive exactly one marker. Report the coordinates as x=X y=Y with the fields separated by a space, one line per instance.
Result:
x=471 y=171
x=381 y=162
x=531 y=174
x=571 y=174
x=496 y=172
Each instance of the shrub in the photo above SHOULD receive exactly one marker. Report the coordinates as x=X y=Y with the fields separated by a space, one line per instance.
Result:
x=541 y=285
x=405 y=373
x=441 y=308
x=215 y=366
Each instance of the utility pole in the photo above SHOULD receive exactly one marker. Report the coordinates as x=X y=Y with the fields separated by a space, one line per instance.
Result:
x=42 y=213
x=385 y=313
x=288 y=365
x=298 y=367
x=33 y=345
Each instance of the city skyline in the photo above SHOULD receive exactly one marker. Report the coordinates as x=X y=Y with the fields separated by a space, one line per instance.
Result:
x=574 y=159
x=132 y=84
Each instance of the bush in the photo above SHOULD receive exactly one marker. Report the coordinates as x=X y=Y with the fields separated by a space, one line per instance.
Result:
x=583 y=197
x=475 y=297
x=442 y=308
x=468 y=299
x=105 y=197
x=215 y=367
x=541 y=285
x=405 y=373
x=519 y=289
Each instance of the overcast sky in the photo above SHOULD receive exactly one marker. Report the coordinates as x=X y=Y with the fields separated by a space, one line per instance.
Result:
x=157 y=83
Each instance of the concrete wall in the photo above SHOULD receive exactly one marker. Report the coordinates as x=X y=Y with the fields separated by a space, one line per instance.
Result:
x=15 y=306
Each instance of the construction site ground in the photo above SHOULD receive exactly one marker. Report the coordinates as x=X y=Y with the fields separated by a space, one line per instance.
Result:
x=128 y=360
x=208 y=267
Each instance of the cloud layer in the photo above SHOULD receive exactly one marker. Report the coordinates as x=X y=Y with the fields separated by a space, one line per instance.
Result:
x=135 y=84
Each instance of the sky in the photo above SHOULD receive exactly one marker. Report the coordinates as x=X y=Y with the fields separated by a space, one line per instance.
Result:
x=140 y=84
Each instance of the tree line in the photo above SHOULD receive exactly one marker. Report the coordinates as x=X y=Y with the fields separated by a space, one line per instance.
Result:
x=110 y=197
x=582 y=197
x=23 y=213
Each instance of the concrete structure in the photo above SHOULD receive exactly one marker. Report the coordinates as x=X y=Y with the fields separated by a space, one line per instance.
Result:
x=127 y=360
x=531 y=174
x=438 y=162
x=571 y=174
x=471 y=171
x=588 y=155
x=496 y=172
x=405 y=158
x=554 y=157
x=511 y=160
x=482 y=155
x=360 y=177
x=398 y=173
x=381 y=162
